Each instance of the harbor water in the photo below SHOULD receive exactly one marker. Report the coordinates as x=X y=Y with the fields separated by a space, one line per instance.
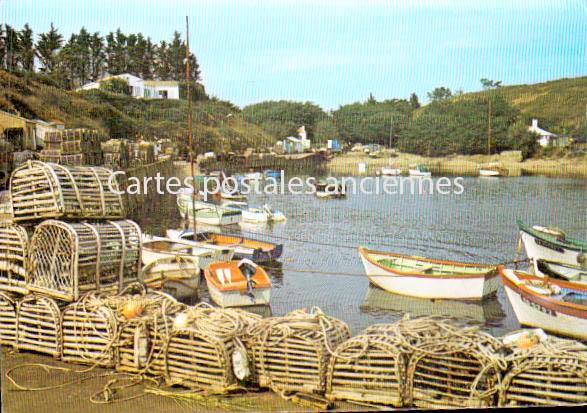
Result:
x=321 y=267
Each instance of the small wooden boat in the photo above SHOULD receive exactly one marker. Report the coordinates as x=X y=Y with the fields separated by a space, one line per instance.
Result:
x=419 y=171
x=160 y=248
x=553 y=305
x=566 y=272
x=253 y=176
x=179 y=276
x=390 y=171
x=238 y=283
x=206 y=212
x=258 y=251
x=553 y=245
x=429 y=278
x=257 y=214
x=492 y=170
x=329 y=189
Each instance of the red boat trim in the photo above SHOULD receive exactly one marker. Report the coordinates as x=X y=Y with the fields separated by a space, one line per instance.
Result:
x=571 y=309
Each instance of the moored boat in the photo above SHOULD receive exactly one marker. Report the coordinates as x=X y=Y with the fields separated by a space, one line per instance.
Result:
x=492 y=170
x=270 y=173
x=390 y=171
x=206 y=212
x=238 y=283
x=179 y=277
x=419 y=170
x=553 y=305
x=159 y=248
x=258 y=251
x=429 y=278
x=572 y=273
x=552 y=245
x=257 y=214
x=253 y=176
x=330 y=189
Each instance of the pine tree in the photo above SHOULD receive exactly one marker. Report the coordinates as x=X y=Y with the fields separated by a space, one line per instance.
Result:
x=47 y=47
x=148 y=62
x=414 y=101
x=97 y=56
x=162 y=67
x=176 y=56
x=26 y=48
x=11 y=42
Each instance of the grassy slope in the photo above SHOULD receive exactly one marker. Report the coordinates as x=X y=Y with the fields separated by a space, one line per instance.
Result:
x=559 y=105
x=122 y=116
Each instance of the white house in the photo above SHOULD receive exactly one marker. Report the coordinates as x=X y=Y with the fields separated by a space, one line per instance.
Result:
x=139 y=88
x=292 y=144
x=546 y=137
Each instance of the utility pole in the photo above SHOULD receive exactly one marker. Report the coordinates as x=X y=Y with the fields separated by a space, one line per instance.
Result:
x=489 y=128
x=390 y=132
x=190 y=133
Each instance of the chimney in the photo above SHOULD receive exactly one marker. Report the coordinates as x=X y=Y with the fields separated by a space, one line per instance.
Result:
x=534 y=123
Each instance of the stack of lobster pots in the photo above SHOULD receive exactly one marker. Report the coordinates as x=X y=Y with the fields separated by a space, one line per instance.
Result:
x=116 y=153
x=66 y=237
x=73 y=147
x=434 y=363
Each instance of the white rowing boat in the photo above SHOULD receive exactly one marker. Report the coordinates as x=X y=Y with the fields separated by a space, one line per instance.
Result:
x=429 y=278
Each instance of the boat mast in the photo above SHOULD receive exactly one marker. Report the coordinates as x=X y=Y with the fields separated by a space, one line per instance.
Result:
x=190 y=133
x=489 y=128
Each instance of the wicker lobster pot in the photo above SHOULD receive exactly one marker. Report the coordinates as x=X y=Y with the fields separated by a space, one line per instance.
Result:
x=368 y=368
x=38 y=325
x=68 y=259
x=546 y=375
x=14 y=244
x=89 y=332
x=47 y=190
x=200 y=350
x=141 y=339
x=7 y=319
x=292 y=352
x=459 y=367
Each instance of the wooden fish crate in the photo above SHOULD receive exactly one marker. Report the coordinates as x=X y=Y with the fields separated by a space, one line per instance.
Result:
x=47 y=190
x=292 y=352
x=14 y=245
x=90 y=331
x=550 y=374
x=67 y=260
x=38 y=325
x=368 y=369
x=459 y=368
x=7 y=319
x=199 y=353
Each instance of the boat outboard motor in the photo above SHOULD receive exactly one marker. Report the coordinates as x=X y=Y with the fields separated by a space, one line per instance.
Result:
x=248 y=268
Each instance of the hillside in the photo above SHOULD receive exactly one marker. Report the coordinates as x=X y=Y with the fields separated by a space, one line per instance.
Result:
x=218 y=125
x=559 y=105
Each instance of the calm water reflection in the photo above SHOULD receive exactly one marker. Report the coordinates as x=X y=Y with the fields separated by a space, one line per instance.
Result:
x=321 y=266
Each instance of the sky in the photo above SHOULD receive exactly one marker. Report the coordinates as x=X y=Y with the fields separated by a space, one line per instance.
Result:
x=333 y=52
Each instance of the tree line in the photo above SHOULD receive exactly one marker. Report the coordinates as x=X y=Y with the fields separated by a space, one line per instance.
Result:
x=87 y=56
x=450 y=123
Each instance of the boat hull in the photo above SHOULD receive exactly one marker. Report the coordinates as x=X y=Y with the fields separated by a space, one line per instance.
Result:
x=150 y=256
x=208 y=214
x=489 y=173
x=539 y=249
x=261 y=296
x=531 y=311
x=391 y=171
x=457 y=288
x=417 y=174
x=179 y=279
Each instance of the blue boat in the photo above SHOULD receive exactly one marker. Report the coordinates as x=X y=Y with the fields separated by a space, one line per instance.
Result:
x=271 y=173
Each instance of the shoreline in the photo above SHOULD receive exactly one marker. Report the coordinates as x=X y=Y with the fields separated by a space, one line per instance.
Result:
x=460 y=165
